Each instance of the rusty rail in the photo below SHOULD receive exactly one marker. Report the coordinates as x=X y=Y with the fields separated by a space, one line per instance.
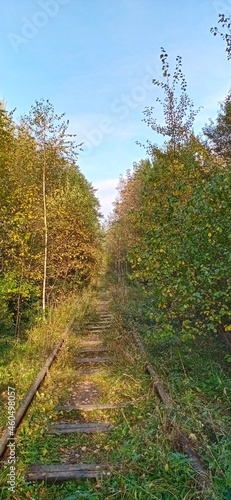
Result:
x=26 y=402
x=182 y=441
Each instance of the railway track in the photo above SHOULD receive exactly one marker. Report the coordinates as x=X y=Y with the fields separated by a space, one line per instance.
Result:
x=91 y=354
x=80 y=414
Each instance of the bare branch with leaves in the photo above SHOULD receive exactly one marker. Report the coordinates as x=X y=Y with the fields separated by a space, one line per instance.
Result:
x=178 y=108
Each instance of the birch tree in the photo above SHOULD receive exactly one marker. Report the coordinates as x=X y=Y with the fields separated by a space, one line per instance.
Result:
x=53 y=143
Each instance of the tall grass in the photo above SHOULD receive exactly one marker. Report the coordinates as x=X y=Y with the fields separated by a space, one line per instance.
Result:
x=21 y=361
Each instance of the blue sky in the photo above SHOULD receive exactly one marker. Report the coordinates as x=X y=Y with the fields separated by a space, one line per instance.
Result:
x=95 y=61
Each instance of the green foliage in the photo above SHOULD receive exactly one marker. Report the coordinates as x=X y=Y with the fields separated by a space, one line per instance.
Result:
x=218 y=134
x=170 y=232
x=169 y=248
x=178 y=109
x=175 y=240
x=18 y=301
x=42 y=190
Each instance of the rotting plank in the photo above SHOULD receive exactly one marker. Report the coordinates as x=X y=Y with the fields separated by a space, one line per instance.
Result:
x=90 y=407
x=99 y=331
x=157 y=383
x=159 y=386
x=93 y=360
x=94 y=349
x=104 y=326
x=104 y=314
x=86 y=427
x=97 y=328
x=65 y=472
x=105 y=319
x=91 y=342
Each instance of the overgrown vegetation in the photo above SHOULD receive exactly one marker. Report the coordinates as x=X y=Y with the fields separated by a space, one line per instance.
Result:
x=28 y=357
x=170 y=232
x=169 y=257
x=139 y=450
x=168 y=266
x=49 y=219
x=197 y=376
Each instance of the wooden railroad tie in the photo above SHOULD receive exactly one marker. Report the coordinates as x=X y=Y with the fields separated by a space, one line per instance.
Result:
x=74 y=427
x=65 y=472
x=97 y=328
x=93 y=360
x=92 y=407
x=94 y=349
x=99 y=331
x=104 y=322
x=105 y=319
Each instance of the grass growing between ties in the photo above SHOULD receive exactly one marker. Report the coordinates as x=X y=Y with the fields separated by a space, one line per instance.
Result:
x=21 y=361
x=142 y=460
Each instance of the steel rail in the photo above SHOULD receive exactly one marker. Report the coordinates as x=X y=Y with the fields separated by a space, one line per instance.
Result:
x=8 y=433
x=182 y=441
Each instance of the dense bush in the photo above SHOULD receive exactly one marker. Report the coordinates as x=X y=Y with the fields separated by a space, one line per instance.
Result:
x=176 y=241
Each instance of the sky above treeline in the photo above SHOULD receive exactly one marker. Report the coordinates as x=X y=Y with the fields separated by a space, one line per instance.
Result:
x=95 y=61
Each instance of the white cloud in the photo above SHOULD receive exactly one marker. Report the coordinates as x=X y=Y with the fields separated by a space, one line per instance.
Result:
x=106 y=192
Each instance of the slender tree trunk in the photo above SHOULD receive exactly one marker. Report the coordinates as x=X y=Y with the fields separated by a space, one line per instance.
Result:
x=17 y=326
x=45 y=241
